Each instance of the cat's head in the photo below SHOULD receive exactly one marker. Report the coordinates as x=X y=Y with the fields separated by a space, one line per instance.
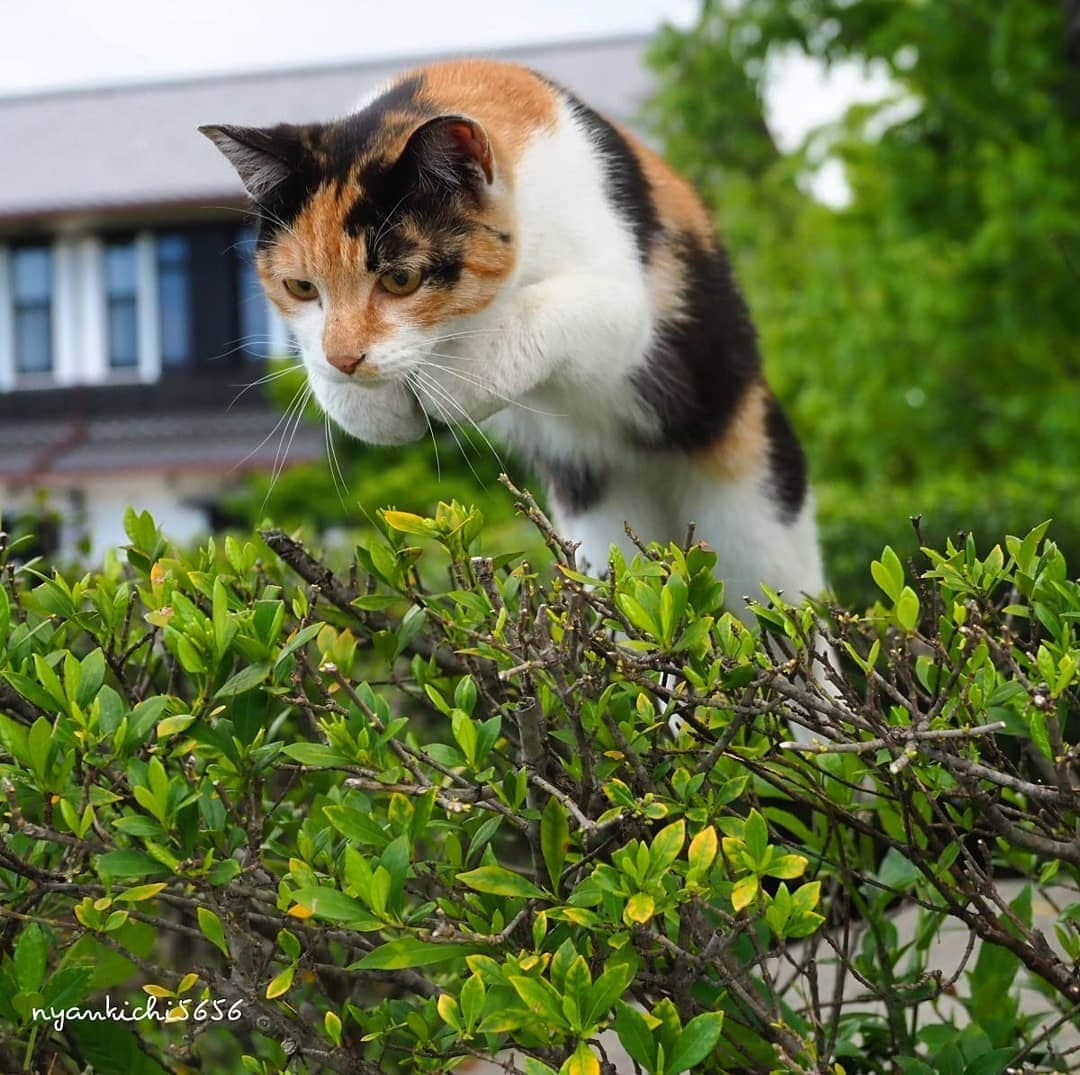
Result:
x=378 y=233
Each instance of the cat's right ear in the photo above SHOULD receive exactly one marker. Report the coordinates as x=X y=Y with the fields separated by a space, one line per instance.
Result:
x=264 y=157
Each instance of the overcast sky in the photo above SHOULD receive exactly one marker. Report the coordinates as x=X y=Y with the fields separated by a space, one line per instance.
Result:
x=60 y=44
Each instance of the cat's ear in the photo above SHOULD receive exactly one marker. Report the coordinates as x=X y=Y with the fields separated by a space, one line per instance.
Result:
x=264 y=157
x=452 y=149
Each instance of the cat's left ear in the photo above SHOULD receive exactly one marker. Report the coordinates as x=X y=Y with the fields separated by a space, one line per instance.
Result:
x=453 y=149
x=264 y=157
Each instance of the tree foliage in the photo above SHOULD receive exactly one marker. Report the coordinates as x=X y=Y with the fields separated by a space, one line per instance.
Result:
x=432 y=806
x=924 y=336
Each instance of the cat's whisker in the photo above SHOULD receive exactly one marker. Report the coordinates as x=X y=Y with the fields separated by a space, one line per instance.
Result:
x=261 y=380
x=424 y=384
x=285 y=447
x=431 y=428
x=252 y=214
x=449 y=397
x=277 y=426
x=340 y=485
x=464 y=333
x=296 y=410
x=486 y=387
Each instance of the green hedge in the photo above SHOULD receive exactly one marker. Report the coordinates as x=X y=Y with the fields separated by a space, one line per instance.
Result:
x=431 y=807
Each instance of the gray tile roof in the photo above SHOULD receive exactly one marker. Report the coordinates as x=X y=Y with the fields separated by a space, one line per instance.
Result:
x=34 y=452
x=126 y=148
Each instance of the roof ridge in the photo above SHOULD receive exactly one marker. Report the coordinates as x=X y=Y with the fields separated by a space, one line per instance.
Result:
x=334 y=66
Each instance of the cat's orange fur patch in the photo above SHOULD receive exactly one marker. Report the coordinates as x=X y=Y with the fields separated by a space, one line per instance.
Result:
x=509 y=102
x=743 y=447
x=677 y=203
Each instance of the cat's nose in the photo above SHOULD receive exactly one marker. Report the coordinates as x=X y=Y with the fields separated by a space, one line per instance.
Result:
x=346 y=363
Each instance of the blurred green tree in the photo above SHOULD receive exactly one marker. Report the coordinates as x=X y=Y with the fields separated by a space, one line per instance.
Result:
x=924 y=335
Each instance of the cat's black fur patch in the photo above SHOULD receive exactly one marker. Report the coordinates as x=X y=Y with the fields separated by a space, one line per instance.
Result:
x=575 y=485
x=701 y=364
x=627 y=186
x=787 y=462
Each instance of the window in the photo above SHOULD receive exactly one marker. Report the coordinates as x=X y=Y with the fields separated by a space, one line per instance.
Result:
x=31 y=270
x=174 y=294
x=254 y=322
x=120 y=292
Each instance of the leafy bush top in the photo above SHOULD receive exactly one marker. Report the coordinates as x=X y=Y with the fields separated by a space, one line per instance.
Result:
x=431 y=807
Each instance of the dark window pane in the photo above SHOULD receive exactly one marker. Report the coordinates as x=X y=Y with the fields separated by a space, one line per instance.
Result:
x=174 y=296
x=32 y=270
x=33 y=339
x=120 y=270
x=254 y=319
x=32 y=287
x=123 y=334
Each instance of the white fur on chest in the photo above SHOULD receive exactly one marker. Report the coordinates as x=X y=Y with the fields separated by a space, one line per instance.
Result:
x=739 y=522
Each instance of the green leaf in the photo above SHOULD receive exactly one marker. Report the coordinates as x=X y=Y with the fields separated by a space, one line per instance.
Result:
x=554 y=839
x=888 y=573
x=499 y=881
x=408 y=952
x=244 y=680
x=301 y=638
x=316 y=755
x=696 y=1041
x=30 y=958
x=173 y=725
x=606 y=990
x=212 y=929
x=634 y=1034
x=907 y=609
x=335 y=906
x=355 y=826
x=541 y=999
x=666 y=847
x=120 y=865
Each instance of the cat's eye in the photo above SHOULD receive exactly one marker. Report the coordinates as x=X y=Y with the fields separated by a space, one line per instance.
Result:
x=304 y=290
x=401 y=281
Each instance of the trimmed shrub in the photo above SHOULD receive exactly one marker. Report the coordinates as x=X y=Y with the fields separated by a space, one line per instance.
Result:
x=430 y=807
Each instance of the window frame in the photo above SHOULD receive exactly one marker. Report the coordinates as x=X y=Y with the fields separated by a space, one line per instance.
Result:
x=18 y=307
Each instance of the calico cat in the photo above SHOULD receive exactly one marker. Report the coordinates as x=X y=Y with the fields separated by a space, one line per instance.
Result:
x=475 y=244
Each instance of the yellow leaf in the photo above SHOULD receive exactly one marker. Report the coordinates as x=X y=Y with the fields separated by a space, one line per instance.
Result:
x=742 y=895
x=582 y=1062
x=406 y=522
x=639 y=908
x=448 y=1010
x=332 y=1023
x=176 y=1015
x=281 y=983
x=186 y=982
x=158 y=991
x=160 y=617
x=298 y=910
x=703 y=849
x=141 y=892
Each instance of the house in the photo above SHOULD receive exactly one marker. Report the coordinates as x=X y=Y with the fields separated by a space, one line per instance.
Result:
x=130 y=315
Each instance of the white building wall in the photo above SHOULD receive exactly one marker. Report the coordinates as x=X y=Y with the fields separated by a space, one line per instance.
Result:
x=67 y=321
x=147 y=300
x=92 y=350
x=7 y=324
